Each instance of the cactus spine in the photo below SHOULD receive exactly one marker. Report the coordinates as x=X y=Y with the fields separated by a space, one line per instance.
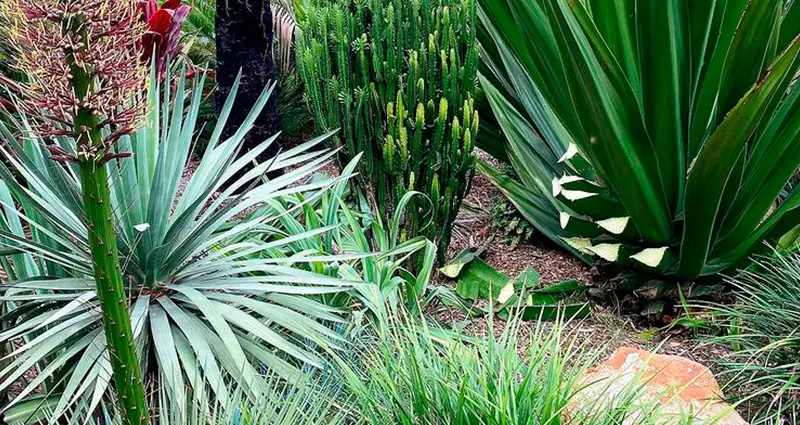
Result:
x=398 y=78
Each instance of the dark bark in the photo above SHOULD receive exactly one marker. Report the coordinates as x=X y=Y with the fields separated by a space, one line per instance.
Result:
x=244 y=40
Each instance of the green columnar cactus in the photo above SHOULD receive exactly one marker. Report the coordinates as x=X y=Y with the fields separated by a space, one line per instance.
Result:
x=398 y=78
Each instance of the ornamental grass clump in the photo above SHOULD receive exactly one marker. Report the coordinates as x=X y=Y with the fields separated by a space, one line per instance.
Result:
x=83 y=72
x=764 y=332
x=398 y=78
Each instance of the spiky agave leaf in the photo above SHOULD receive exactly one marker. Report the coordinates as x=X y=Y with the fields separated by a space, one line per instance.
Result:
x=197 y=301
x=686 y=146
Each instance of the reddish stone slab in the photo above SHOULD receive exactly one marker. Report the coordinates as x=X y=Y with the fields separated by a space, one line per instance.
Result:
x=676 y=386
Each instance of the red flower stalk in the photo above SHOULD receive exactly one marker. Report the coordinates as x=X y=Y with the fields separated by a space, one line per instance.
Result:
x=163 y=31
x=81 y=60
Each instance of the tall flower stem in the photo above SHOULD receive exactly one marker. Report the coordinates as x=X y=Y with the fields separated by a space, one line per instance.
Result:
x=103 y=247
x=85 y=81
x=111 y=292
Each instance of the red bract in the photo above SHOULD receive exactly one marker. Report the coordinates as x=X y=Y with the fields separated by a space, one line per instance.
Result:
x=163 y=30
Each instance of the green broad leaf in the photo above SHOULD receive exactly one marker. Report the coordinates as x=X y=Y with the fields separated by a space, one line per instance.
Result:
x=555 y=312
x=454 y=267
x=552 y=295
x=566 y=287
x=481 y=281
x=709 y=174
x=529 y=279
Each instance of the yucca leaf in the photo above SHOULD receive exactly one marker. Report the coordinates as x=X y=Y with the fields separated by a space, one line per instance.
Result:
x=663 y=38
x=166 y=355
x=202 y=352
x=772 y=163
x=721 y=30
x=750 y=53
x=616 y=21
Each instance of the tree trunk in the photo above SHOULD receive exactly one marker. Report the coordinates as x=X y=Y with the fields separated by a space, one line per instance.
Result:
x=244 y=42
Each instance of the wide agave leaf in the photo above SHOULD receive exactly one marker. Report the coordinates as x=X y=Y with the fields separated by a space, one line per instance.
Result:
x=201 y=309
x=661 y=134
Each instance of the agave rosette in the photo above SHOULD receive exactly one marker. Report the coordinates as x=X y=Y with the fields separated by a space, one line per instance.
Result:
x=659 y=135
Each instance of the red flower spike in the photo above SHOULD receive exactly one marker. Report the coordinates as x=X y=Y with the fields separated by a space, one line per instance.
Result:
x=164 y=30
x=160 y=23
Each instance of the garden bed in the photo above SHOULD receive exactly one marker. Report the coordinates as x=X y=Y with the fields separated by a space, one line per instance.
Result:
x=606 y=328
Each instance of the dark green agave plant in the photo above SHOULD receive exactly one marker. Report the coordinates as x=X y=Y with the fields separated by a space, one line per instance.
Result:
x=398 y=78
x=659 y=135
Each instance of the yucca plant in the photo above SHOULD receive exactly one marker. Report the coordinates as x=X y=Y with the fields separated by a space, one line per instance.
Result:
x=398 y=79
x=197 y=301
x=659 y=135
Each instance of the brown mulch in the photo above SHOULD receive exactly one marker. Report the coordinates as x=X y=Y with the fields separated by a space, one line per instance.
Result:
x=472 y=229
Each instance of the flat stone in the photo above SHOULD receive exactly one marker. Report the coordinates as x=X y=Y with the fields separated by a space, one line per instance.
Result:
x=676 y=386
